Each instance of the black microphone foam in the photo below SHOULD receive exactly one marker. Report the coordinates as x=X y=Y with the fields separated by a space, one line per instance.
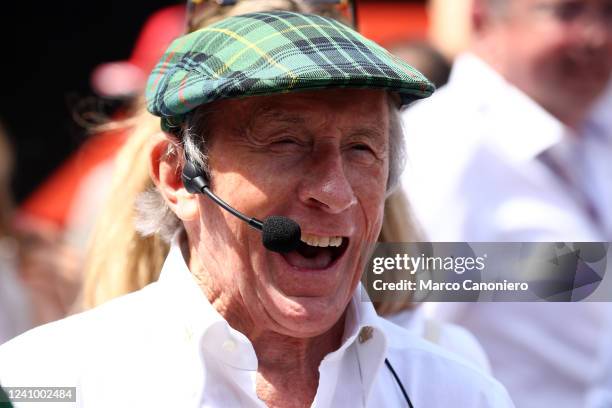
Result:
x=280 y=234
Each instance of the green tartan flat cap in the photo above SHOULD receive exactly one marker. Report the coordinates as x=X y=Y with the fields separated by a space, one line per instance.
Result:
x=273 y=52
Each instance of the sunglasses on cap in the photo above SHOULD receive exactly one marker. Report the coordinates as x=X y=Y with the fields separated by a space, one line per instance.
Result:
x=343 y=10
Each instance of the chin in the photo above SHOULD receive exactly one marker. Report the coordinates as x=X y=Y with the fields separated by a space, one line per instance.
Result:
x=301 y=316
x=305 y=292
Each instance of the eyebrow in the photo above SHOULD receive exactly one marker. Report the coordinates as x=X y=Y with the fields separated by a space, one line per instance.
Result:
x=269 y=114
x=279 y=115
x=369 y=131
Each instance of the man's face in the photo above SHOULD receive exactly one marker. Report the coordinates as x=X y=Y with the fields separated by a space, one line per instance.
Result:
x=320 y=158
x=557 y=51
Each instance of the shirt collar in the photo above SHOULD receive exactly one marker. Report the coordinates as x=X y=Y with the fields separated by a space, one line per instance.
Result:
x=208 y=329
x=520 y=129
x=203 y=326
x=363 y=330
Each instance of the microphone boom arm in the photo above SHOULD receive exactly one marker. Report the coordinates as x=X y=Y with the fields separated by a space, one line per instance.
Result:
x=252 y=221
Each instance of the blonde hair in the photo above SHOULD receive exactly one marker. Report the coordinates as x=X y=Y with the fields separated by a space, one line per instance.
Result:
x=399 y=225
x=119 y=260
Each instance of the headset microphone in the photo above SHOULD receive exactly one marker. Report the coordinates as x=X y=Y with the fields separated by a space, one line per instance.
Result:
x=279 y=234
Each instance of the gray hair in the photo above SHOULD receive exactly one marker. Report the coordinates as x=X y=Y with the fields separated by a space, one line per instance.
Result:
x=154 y=217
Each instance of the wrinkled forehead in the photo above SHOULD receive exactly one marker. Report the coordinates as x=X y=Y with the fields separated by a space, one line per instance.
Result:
x=363 y=108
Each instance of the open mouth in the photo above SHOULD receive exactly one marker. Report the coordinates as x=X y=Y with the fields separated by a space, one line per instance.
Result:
x=316 y=252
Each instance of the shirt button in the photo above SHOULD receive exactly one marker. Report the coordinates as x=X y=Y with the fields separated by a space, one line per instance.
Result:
x=229 y=346
x=365 y=334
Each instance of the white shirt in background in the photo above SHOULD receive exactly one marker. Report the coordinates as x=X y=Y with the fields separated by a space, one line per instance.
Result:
x=596 y=159
x=166 y=346
x=475 y=173
x=600 y=395
x=450 y=337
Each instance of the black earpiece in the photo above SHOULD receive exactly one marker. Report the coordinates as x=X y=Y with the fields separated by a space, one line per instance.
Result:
x=193 y=178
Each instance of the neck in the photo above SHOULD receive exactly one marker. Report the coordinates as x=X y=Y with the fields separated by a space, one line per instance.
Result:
x=288 y=371
x=280 y=352
x=288 y=367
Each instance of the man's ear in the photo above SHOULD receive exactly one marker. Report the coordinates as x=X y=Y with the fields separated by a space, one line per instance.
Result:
x=165 y=170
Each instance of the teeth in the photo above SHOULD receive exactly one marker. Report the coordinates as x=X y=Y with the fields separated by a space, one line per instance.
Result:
x=317 y=241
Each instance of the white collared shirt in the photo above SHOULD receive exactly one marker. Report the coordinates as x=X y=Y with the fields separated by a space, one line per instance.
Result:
x=450 y=337
x=596 y=165
x=599 y=146
x=165 y=345
x=474 y=174
x=600 y=395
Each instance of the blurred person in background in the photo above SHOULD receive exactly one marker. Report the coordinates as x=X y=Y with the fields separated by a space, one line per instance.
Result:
x=64 y=208
x=15 y=313
x=517 y=160
x=122 y=82
x=400 y=225
x=121 y=260
x=61 y=200
x=38 y=279
x=426 y=58
x=600 y=394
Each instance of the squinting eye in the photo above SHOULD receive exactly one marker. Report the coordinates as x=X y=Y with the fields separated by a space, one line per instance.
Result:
x=287 y=144
x=363 y=153
x=362 y=147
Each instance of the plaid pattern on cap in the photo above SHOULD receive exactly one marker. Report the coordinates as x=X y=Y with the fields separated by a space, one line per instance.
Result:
x=272 y=52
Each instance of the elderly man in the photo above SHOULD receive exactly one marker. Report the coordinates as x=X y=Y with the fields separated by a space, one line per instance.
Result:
x=521 y=158
x=292 y=118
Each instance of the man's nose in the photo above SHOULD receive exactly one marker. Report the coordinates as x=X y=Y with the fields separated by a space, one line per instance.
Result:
x=325 y=185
